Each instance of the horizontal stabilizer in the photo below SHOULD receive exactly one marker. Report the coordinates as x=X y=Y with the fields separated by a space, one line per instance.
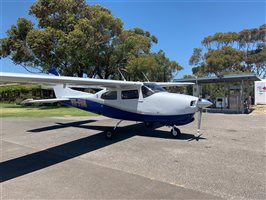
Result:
x=27 y=101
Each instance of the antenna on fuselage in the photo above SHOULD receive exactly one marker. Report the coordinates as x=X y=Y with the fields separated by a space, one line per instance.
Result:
x=121 y=74
x=145 y=77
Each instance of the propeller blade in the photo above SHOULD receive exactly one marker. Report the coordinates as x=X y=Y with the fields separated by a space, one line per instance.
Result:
x=201 y=103
x=199 y=121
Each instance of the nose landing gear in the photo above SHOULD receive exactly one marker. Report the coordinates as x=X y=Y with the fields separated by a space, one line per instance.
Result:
x=175 y=132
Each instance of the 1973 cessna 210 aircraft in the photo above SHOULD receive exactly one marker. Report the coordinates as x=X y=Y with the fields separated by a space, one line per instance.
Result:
x=124 y=100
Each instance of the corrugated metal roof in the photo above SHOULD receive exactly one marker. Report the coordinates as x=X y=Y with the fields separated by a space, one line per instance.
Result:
x=225 y=78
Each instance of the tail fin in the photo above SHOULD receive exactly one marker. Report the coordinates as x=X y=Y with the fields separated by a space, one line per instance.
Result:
x=53 y=71
x=62 y=91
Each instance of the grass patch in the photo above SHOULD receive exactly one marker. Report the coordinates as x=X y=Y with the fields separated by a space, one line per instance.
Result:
x=14 y=110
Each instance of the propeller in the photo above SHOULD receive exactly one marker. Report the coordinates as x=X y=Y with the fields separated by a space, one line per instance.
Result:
x=201 y=103
x=199 y=120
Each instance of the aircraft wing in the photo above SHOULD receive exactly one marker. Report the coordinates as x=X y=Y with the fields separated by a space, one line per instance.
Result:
x=46 y=79
x=173 y=84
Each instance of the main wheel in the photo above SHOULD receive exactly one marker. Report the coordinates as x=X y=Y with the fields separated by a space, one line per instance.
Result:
x=148 y=124
x=109 y=133
x=175 y=132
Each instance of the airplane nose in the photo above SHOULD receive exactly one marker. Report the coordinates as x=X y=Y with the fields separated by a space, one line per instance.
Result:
x=203 y=103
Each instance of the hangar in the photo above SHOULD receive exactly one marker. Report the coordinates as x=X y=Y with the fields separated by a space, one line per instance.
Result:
x=236 y=96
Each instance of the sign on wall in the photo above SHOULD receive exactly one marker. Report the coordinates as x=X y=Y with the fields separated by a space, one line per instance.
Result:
x=260 y=92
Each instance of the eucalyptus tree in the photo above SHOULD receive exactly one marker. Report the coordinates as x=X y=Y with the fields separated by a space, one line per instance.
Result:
x=155 y=67
x=231 y=52
x=77 y=38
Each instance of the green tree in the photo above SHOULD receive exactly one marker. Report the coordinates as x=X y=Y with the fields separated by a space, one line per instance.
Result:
x=231 y=52
x=223 y=60
x=78 y=38
x=128 y=46
x=167 y=68
x=155 y=66
x=68 y=36
x=144 y=64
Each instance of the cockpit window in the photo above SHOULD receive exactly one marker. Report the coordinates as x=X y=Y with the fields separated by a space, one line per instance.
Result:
x=150 y=88
x=130 y=94
x=109 y=95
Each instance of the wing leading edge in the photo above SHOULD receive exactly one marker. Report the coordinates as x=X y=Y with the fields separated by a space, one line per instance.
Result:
x=76 y=81
x=40 y=79
x=173 y=84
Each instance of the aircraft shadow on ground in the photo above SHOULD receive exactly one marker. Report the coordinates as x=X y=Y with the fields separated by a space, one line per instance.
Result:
x=30 y=163
x=61 y=125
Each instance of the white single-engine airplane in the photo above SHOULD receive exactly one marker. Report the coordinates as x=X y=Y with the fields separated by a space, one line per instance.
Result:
x=125 y=100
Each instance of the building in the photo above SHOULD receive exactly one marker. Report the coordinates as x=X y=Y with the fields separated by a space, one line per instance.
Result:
x=238 y=91
x=260 y=92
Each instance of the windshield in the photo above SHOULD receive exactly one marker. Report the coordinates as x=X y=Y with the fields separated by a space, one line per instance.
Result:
x=154 y=87
x=149 y=89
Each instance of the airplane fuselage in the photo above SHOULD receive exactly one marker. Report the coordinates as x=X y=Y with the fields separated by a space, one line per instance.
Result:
x=137 y=105
x=125 y=100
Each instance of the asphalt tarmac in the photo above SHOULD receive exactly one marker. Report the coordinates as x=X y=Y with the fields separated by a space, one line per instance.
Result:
x=69 y=158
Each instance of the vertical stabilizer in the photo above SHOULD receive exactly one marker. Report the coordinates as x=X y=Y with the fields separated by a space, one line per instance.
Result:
x=53 y=71
x=64 y=92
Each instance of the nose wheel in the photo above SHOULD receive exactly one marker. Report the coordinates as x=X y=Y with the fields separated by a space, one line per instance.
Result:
x=175 y=132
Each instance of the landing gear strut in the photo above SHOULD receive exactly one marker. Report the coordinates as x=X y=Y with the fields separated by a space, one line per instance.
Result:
x=199 y=123
x=110 y=132
x=175 y=132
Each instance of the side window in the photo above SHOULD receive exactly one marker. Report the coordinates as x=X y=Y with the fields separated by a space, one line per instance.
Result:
x=146 y=92
x=130 y=94
x=110 y=95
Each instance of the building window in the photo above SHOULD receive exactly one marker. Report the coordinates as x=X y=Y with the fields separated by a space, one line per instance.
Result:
x=110 y=95
x=130 y=94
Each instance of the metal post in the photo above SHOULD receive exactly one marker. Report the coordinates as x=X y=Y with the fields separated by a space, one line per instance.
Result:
x=242 y=97
x=249 y=103
x=224 y=86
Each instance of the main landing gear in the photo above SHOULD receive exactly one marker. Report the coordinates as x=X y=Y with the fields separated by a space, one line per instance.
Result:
x=110 y=132
x=175 y=132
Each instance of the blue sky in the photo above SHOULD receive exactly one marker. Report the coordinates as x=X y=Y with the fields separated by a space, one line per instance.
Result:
x=180 y=26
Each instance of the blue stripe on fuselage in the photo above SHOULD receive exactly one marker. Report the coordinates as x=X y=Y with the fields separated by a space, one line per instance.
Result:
x=116 y=113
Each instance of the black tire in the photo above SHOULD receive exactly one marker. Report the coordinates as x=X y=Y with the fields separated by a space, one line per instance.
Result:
x=148 y=124
x=175 y=132
x=109 y=133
